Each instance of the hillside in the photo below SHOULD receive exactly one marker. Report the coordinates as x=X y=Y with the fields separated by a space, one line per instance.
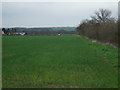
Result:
x=64 y=28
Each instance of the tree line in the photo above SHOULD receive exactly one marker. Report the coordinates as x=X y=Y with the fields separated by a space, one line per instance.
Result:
x=36 y=31
x=101 y=27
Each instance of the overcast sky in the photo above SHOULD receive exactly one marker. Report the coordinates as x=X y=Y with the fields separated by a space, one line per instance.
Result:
x=45 y=14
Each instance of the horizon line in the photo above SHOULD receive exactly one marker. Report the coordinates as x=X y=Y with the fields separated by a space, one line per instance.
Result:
x=36 y=26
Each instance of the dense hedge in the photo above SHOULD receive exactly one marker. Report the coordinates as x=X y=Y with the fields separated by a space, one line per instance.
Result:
x=106 y=32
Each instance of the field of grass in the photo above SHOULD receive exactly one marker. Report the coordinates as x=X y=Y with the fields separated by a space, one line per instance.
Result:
x=58 y=61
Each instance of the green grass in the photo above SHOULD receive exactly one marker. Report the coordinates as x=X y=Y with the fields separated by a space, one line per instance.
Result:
x=58 y=61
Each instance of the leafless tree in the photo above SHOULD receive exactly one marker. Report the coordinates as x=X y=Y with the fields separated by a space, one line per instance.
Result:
x=102 y=27
x=102 y=16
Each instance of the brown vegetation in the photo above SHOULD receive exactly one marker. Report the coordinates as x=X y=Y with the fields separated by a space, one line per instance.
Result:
x=102 y=27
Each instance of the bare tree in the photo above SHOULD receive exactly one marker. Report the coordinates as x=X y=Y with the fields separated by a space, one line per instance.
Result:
x=102 y=16
x=102 y=27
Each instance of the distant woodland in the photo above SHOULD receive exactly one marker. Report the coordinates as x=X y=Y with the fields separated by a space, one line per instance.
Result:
x=40 y=31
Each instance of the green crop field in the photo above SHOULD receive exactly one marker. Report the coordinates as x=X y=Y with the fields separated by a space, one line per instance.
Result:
x=69 y=61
